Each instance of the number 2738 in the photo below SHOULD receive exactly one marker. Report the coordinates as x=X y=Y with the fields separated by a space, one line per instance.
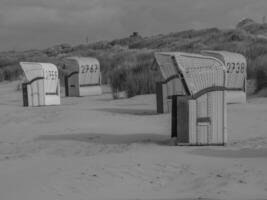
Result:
x=235 y=68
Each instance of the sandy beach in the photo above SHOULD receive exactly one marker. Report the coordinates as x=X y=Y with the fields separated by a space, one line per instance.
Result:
x=99 y=148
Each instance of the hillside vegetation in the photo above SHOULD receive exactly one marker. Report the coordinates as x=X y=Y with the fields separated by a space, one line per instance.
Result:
x=126 y=63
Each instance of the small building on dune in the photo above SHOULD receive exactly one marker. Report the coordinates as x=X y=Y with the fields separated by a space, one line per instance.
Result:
x=42 y=86
x=83 y=78
x=236 y=74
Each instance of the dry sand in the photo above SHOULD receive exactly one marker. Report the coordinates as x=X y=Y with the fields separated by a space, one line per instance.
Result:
x=99 y=148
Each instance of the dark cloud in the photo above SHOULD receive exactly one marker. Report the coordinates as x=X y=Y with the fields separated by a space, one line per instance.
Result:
x=41 y=23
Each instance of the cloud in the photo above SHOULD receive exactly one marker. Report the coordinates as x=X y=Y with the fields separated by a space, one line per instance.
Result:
x=41 y=23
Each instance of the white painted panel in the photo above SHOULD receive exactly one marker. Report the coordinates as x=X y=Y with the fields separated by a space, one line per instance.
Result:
x=53 y=99
x=89 y=76
x=29 y=91
x=196 y=67
x=166 y=64
x=50 y=79
x=225 y=129
x=31 y=70
x=48 y=84
x=192 y=122
x=41 y=92
x=89 y=72
x=201 y=72
x=212 y=106
x=35 y=93
x=51 y=84
x=236 y=97
x=169 y=105
x=202 y=112
x=92 y=90
x=202 y=131
x=220 y=116
x=236 y=67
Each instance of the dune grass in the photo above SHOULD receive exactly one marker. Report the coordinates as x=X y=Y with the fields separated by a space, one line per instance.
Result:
x=133 y=73
x=126 y=63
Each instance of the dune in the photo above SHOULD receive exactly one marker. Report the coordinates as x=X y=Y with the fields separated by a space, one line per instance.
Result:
x=99 y=148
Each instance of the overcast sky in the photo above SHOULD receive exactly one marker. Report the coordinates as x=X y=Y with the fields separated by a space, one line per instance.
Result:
x=26 y=24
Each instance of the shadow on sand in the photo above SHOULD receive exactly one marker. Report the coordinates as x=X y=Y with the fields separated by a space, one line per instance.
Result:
x=128 y=111
x=110 y=139
x=226 y=153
